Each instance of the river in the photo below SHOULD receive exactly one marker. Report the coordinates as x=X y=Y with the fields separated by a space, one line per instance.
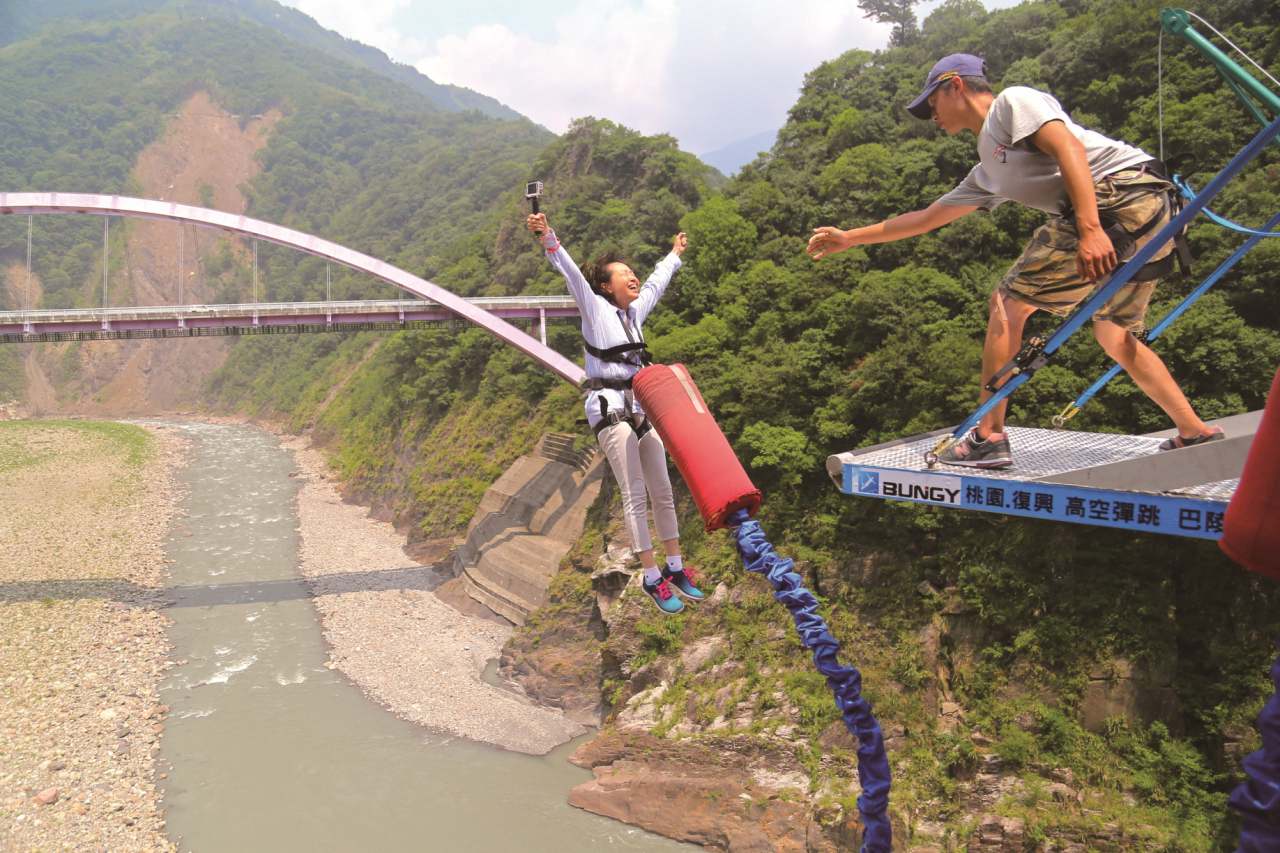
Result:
x=267 y=750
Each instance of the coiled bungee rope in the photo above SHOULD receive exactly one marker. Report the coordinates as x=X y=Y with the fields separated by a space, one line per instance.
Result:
x=845 y=681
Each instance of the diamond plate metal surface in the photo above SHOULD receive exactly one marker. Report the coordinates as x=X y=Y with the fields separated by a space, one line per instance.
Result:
x=1037 y=453
x=1220 y=491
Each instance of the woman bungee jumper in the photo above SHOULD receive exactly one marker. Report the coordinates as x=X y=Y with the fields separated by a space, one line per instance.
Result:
x=614 y=305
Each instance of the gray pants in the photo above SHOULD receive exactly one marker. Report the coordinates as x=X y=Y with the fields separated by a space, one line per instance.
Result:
x=637 y=463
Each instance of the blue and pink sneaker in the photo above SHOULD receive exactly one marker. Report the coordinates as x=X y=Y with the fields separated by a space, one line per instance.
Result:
x=683 y=583
x=663 y=596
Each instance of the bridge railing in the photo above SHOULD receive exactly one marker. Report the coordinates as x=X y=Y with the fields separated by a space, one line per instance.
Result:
x=503 y=306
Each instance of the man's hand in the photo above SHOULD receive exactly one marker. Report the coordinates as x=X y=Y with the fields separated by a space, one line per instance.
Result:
x=827 y=241
x=537 y=222
x=1096 y=256
x=681 y=243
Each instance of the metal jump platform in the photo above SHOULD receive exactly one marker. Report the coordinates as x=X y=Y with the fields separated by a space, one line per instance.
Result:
x=1110 y=480
x=1087 y=478
x=170 y=321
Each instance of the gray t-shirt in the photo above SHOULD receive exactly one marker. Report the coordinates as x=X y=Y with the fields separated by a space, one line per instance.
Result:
x=1012 y=169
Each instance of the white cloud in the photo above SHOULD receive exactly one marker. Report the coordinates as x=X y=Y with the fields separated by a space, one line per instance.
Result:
x=708 y=72
x=609 y=59
x=368 y=21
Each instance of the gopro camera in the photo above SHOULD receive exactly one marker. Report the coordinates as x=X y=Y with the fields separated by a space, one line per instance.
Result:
x=533 y=190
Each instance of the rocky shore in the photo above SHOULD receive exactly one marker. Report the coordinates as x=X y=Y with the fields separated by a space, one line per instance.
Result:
x=84 y=509
x=400 y=644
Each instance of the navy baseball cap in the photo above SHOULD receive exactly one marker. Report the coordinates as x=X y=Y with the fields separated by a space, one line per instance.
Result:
x=955 y=65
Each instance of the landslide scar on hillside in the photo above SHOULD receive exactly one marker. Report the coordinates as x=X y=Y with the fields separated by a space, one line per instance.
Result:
x=203 y=146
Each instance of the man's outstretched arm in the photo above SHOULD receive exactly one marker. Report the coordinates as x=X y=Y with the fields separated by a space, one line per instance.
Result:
x=827 y=240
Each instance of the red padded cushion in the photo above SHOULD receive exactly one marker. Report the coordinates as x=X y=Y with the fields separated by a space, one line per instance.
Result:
x=1251 y=530
x=701 y=452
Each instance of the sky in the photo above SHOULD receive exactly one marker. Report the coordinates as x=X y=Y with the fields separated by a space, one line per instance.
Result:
x=708 y=72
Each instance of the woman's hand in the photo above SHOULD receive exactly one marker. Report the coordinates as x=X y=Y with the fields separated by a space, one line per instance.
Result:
x=827 y=241
x=681 y=243
x=537 y=222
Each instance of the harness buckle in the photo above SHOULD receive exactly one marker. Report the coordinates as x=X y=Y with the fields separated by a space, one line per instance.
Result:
x=1029 y=359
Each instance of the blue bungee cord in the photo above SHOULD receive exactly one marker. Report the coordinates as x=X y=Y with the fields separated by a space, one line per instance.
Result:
x=845 y=681
x=1257 y=799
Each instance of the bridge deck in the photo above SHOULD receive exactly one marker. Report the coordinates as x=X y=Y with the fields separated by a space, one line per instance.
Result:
x=1089 y=478
x=20 y=326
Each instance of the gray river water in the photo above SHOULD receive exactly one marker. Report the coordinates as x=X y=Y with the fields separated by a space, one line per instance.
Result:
x=271 y=752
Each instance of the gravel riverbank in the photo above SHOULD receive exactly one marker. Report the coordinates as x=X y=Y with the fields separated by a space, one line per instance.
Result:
x=405 y=648
x=84 y=510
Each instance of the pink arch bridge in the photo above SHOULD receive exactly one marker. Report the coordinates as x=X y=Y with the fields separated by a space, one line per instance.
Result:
x=192 y=317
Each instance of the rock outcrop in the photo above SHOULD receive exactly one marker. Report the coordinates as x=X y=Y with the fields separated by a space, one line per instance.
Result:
x=707 y=795
x=1139 y=694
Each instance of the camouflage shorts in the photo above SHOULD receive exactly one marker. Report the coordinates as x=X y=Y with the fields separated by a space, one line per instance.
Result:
x=1045 y=275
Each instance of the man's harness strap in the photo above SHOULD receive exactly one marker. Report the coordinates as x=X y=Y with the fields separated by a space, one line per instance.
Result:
x=1032 y=357
x=1122 y=240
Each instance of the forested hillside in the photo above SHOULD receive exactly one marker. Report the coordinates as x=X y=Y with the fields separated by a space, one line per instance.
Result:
x=798 y=359
x=22 y=17
x=357 y=156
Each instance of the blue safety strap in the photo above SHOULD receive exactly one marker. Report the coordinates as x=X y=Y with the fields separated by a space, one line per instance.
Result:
x=1189 y=193
x=1185 y=304
x=1121 y=276
x=845 y=681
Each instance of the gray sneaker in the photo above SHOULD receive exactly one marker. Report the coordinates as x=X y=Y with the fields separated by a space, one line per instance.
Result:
x=973 y=452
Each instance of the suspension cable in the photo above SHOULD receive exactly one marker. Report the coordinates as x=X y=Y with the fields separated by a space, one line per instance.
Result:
x=26 y=295
x=1160 y=90
x=1235 y=47
x=106 y=257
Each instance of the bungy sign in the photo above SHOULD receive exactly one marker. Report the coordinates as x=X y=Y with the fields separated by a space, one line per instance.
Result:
x=1172 y=514
x=903 y=485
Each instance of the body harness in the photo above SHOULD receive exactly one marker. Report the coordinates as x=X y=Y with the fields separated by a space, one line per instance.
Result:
x=634 y=353
x=1124 y=240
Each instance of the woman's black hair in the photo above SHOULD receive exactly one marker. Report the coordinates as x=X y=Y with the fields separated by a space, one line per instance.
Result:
x=597 y=272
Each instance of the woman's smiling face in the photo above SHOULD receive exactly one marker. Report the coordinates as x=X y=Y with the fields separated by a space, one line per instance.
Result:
x=622 y=285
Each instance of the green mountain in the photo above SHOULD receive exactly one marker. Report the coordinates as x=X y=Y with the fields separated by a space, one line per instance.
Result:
x=22 y=17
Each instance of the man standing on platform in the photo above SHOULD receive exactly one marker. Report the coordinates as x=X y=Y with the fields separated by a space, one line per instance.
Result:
x=1094 y=189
